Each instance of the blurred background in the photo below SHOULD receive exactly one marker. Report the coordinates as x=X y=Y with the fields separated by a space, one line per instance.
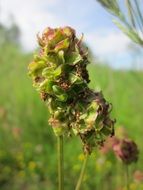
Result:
x=27 y=144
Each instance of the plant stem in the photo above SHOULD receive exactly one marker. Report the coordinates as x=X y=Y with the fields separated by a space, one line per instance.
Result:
x=127 y=177
x=60 y=163
x=82 y=173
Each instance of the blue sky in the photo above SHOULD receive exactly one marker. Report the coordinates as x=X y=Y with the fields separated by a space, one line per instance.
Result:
x=86 y=16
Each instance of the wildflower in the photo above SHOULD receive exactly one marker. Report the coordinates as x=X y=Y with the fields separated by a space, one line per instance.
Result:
x=127 y=151
x=60 y=76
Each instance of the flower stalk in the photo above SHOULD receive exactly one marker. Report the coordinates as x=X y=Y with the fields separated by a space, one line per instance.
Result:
x=127 y=177
x=78 y=186
x=60 y=163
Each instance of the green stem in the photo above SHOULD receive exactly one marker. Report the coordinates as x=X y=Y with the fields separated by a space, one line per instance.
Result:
x=82 y=173
x=60 y=163
x=127 y=177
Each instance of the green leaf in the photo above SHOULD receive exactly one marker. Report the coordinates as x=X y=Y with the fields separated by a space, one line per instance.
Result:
x=62 y=45
x=51 y=72
x=53 y=57
x=73 y=58
x=36 y=67
x=106 y=131
x=92 y=113
x=58 y=90
x=52 y=105
x=99 y=122
x=57 y=72
x=40 y=58
x=75 y=79
x=61 y=115
x=47 y=85
x=47 y=72
x=93 y=106
x=83 y=116
x=62 y=97
x=88 y=135
x=60 y=93
x=66 y=68
x=61 y=57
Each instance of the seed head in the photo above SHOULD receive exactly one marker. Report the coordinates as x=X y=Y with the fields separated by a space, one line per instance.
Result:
x=60 y=76
x=127 y=151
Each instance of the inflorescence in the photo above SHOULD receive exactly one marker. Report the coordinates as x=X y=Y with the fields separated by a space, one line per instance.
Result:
x=60 y=76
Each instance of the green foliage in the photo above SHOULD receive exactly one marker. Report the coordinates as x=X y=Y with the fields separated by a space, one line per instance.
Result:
x=132 y=23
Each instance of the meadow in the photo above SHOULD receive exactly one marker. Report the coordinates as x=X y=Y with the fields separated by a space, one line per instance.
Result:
x=27 y=144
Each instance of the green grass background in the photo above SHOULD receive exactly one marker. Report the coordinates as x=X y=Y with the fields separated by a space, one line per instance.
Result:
x=27 y=144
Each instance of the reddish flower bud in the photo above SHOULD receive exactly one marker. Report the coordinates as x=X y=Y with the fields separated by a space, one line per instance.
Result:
x=126 y=150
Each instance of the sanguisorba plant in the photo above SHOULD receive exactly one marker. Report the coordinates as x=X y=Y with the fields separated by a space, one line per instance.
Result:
x=127 y=151
x=59 y=74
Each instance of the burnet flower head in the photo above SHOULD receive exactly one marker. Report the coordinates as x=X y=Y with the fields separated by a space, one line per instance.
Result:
x=127 y=151
x=60 y=76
